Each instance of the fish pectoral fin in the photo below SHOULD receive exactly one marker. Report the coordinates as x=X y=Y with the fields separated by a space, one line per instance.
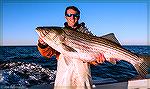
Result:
x=113 y=60
x=68 y=48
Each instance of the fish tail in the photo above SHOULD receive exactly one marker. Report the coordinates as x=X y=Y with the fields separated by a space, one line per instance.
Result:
x=142 y=68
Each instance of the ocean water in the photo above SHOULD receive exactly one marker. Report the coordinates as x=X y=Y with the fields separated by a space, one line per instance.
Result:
x=24 y=67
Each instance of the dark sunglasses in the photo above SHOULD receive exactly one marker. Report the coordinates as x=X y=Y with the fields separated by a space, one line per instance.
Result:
x=74 y=15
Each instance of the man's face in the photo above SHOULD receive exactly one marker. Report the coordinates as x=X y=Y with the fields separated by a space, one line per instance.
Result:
x=72 y=17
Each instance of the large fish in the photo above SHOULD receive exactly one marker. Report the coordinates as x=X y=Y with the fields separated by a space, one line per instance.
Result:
x=84 y=47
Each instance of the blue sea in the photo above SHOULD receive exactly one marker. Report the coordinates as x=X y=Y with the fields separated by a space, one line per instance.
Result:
x=24 y=67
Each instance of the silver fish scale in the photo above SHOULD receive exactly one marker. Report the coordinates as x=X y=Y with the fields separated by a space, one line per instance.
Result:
x=91 y=45
x=98 y=41
x=83 y=41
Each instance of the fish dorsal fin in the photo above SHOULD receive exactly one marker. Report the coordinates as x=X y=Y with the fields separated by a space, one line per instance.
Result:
x=111 y=37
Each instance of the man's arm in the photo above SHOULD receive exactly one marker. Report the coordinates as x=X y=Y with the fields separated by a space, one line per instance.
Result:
x=45 y=50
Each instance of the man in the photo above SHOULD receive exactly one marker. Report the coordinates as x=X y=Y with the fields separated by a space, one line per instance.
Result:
x=71 y=73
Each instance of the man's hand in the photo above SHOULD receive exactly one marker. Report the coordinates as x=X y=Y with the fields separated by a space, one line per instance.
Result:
x=41 y=41
x=99 y=59
x=42 y=44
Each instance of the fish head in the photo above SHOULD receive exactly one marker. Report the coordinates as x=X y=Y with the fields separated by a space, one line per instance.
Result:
x=53 y=34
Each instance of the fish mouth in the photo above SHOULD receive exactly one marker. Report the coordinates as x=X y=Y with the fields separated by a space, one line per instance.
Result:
x=55 y=35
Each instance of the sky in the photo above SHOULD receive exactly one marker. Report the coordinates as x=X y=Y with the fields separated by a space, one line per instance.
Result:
x=128 y=21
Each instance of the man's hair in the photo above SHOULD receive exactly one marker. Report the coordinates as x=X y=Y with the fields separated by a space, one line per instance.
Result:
x=74 y=8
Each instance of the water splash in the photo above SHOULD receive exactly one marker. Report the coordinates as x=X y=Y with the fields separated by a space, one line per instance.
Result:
x=25 y=74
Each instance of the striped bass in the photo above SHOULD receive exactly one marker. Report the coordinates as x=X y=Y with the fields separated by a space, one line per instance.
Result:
x=83 y=46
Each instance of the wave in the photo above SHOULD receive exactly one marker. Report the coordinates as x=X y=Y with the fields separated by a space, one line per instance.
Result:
x=25 y=74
